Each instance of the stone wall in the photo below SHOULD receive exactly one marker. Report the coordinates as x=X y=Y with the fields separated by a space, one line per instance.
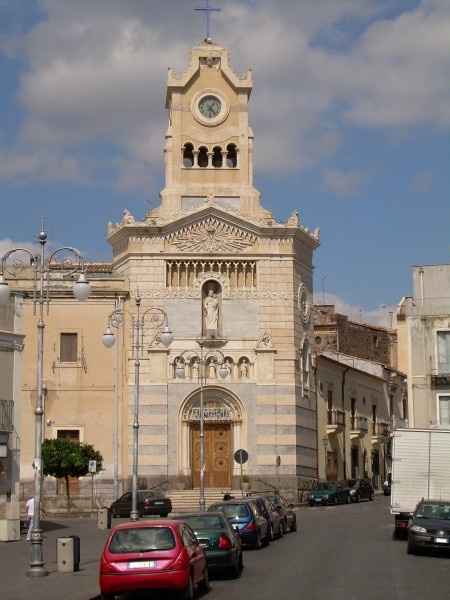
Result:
x=335 y=332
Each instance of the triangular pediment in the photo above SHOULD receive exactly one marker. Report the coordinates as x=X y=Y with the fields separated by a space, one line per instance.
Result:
x=211 y=231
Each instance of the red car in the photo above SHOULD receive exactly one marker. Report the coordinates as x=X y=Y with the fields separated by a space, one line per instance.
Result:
x=153 y=555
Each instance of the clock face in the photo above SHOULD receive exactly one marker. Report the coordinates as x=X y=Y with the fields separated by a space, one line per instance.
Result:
x=210 y=106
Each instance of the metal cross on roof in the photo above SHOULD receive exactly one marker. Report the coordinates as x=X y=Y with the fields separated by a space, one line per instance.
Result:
x=207 y=9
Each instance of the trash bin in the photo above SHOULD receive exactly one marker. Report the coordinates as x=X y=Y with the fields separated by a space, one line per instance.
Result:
x=68 y=554
x=104 y=518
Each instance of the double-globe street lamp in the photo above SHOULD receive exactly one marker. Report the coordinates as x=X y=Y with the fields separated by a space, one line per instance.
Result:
x=159 y=318
x=44 y=270
x=204 y=359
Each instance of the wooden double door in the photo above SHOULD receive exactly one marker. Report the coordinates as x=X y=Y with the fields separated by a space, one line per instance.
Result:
x=218 y=449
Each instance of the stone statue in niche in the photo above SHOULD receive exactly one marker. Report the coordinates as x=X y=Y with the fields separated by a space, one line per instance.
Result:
x=179 y=368
x=244 y=369
x=211 y=369
x=228 y=365
x=211 y=308
x=195 y=370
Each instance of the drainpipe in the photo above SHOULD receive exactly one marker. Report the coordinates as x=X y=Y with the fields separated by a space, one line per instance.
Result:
x=344 y=444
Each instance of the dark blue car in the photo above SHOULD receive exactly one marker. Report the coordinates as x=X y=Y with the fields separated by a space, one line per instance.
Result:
x=245 y=517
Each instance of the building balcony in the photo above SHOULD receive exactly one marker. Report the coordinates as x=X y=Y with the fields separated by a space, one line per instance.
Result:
x=335 y=420
x=6 y=415
x=440 y=380
x=380 y=432
x=359 y=426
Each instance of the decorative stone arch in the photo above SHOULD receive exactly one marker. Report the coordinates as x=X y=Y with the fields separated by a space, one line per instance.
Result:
x=221 y=406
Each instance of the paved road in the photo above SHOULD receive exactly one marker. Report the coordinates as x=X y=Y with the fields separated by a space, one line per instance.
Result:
x=343 y=553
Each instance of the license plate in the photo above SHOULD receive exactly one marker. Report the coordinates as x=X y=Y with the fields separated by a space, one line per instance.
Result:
x=158 y=502
x=441 y=541
x=142 y=564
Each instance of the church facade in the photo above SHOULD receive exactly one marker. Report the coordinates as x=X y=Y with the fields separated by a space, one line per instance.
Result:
x=236 y=286
x=227 y=272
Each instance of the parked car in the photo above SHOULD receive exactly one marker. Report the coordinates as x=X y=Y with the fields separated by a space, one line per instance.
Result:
x=387 y=485
x=152 y=555
x=267 y=509
x=245 y=517
x=429 y=526
x=329 y=492
x=285 y=510
x=149 y=503
x=360 y=489
x=221 y=543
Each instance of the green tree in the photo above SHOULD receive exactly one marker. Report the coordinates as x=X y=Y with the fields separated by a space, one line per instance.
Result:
x=64 y=458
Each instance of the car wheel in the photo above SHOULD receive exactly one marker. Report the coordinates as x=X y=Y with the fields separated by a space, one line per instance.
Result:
x=107 y=596
x=163 y=515
x=411 y=548
x=258 y=543
x=188 y=592
x=236 y=569
x=357 y=498
x=204 y=584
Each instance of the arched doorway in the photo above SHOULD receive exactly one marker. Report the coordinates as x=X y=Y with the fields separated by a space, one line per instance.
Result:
x=223 y=435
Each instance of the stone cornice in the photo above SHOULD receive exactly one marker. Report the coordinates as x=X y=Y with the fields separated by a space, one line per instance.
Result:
x=11 y=341
x=146 y=230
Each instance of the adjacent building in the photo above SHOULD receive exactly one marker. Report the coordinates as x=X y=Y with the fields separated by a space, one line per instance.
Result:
x=359 y=403
x=335 y=332
x=11 y=439
x=424 y=346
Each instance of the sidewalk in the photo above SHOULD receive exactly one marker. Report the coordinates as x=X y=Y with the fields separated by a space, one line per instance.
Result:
x=83 y=585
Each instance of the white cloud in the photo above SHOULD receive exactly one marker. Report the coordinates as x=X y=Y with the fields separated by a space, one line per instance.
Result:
x=380 y=315
x=21 y=166
x=343 y=183
x=96 y=75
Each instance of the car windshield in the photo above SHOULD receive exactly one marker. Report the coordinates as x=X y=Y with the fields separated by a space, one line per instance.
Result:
x=434 y=511
x=205 y=522
x=234 y=511
x=325 y=487
x=142 y=539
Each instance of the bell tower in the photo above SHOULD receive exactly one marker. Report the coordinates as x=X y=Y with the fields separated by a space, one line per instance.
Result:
x=209 y=142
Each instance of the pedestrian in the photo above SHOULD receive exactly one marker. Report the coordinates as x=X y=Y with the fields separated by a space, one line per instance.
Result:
x=30 y=515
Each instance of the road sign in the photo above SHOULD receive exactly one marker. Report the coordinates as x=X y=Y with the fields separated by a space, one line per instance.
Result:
x=241 y=456
x=92 y=466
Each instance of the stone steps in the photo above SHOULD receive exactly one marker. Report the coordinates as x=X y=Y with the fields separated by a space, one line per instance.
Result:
x=188 y=500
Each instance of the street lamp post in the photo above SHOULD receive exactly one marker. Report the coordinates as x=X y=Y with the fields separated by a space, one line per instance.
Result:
x=203 y=359
x=43 y=273
x=159 y=317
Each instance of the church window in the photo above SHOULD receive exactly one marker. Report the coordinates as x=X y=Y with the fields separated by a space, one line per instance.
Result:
x=231 y=156
x=217 y=160
x=188 y=156
x=203 y=157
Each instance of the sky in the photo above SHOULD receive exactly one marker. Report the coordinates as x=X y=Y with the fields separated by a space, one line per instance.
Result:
x=350 y=110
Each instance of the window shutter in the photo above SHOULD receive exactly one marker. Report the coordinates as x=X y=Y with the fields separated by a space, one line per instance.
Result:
x=69 y=347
